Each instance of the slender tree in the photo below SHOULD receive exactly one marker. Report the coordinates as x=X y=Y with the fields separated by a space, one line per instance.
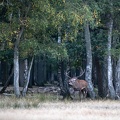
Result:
x=111 y=90
x=88 y=74
x=27 y=76
x=117 y=79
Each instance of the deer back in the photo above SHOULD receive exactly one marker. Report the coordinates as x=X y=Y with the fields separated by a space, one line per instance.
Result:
x=78 y=84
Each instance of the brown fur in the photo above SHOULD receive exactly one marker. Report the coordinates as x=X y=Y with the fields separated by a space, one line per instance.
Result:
x=79 y=85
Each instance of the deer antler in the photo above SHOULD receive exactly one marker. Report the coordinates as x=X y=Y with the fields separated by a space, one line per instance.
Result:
x=82 y=72
x=67 y=72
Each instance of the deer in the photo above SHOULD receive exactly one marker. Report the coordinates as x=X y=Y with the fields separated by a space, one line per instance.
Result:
x=78 y=84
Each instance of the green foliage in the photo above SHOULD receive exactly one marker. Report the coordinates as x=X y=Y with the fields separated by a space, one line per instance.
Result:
x=42 y=24
x=76 y=51
x=99 y=43
x=51 y=50
x=6 y=55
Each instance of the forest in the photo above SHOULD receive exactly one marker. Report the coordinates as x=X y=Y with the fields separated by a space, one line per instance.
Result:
x=41 y=40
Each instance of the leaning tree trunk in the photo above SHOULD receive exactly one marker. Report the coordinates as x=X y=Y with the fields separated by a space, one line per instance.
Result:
x=88 y=74
x=8 y=81
x=111 y=91
x=27 y=76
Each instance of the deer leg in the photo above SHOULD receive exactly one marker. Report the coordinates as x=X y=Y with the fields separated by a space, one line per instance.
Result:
x=84 y=91
x=74 y=93
x=80 y=94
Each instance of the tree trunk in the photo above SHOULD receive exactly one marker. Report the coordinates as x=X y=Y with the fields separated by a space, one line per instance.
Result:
x=117 y=79
x=62 y=79
x=4 y=72
x=111 y=90
x=8 y=81
x=88 y=74
x=16 y=64
x=16 y=71
x=0 y=74
x=99 y=78
x=16 y=53
x=44 y=60
x=27 y=76
x=21 y=72
x=104 y=77
x=64 y=82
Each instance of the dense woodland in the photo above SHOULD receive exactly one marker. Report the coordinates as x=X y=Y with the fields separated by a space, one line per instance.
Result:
x=41 y=39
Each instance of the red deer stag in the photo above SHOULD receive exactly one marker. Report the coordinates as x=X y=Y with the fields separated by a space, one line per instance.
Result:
x=78 y=85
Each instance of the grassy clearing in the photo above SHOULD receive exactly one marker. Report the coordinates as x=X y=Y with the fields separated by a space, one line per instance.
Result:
x=28 y=102
x=47 y=107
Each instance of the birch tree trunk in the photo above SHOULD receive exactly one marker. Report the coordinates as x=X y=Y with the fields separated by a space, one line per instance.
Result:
x=16 y=53
x=111 y=90
x=88 y=74
x=16 y=64
x=27 y=76
x=16 y=71
x=117 y=79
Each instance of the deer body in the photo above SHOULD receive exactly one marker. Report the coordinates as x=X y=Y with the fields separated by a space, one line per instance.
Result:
x=79 y=85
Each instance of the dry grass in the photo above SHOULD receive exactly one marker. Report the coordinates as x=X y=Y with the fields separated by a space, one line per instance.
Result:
x=37 y=108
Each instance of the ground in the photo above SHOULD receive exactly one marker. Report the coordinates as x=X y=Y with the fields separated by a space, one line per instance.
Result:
x=34 y=90
x=88 y=110
x=42 y=104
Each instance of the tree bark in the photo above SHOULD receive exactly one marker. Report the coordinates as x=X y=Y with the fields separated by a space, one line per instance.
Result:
x=16 y=64
x=64 y=82
x=99 y=78
x=117 y=79
x=27 y=76
x=16 y=54
x=104 y=77
x=61 y=76
x=111 y=90
x=16 y=71
x=88 y=74
x=21 y=72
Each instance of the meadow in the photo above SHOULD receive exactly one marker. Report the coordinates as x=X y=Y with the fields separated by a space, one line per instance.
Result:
x=48 y=107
